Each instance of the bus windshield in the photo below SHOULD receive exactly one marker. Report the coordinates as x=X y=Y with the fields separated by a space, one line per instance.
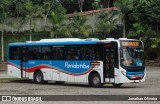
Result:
x=132 y=56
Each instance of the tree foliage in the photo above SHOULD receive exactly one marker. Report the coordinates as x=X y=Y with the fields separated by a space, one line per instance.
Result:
x=146 y=12
x=141 y=31
x=58 y=17
x=32 y=11
x=79 y=26
x=107 y=22
x=125 y=7
x=138 y=17
x=4 y=10
x=144 y=23
x=3 y=16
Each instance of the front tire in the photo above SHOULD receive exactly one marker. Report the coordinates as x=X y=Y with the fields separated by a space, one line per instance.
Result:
x=38 y=77
x=117 y=85
x=95 y=80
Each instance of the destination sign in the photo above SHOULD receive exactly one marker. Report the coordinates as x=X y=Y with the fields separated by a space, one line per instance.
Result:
x=132 y=44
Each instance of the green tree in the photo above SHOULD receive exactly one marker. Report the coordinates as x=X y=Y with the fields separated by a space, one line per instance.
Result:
x=141 y=31
x=19 y=8
x=59 y=27
x=138 y=30
x=125 y=6
x=96 y=4
x=48 y=6
x=79 y=25
x=154 y=11
x=144 y=32
x=32 y=11
x=16 y=14
x=3 y=16
x=107 y=22
x=145 y=12
x=80 y=4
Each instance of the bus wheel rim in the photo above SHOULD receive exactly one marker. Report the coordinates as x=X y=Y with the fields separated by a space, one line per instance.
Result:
x=39 y=78
x=96 y=80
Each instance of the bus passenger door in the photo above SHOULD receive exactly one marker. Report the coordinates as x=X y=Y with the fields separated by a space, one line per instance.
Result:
x=24 y=62
x=110 y=61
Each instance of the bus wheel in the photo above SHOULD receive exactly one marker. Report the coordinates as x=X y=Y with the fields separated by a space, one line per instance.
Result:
x=38 y=77
x=117 y=85
x=95 y=80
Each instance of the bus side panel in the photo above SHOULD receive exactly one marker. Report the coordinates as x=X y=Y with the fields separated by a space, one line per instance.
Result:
x=75 y=70
x=44 y=65
x=70 y=78
x=31 y=75
x=70 y=70
x=63 y=76
x=82 y=78
x=99 y=68
x=14 y=68
x=47 y=73
x=57 y=72
x=117 y=75
x=96 y=67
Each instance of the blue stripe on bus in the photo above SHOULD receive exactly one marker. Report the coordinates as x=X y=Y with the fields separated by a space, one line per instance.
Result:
x=136 y=74
x=73 y=66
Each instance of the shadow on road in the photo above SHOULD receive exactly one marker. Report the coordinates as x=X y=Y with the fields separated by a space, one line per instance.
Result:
x=75 y=84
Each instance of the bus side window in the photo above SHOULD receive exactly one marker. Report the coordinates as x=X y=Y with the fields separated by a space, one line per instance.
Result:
x=46 y=53
x=98 y=52
x=59 y=53
x=34 y=53
x=72 y=53
x=14 y=53
x=90 y=52
x=82 y=53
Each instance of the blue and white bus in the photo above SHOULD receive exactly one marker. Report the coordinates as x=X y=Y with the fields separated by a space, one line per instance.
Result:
x=91 y=61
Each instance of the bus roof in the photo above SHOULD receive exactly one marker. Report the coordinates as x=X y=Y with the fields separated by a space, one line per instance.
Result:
x=66 y=41
x=53 y=43
x=59 y=41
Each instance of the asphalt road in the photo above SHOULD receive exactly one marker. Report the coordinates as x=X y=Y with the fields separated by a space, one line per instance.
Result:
x=150 y=87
